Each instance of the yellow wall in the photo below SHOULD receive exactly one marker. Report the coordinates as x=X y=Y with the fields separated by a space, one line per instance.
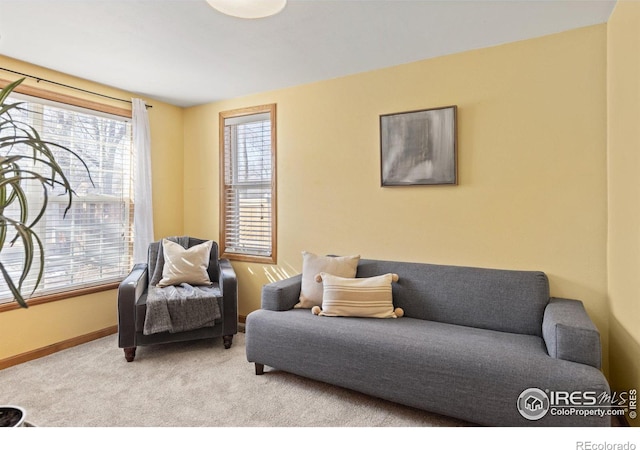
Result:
x=623 y=93
x=532 y=167
x=39 y=326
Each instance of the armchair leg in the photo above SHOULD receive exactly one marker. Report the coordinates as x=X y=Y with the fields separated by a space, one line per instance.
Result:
x=228 y=339
x=259 y=369
x=129 y=353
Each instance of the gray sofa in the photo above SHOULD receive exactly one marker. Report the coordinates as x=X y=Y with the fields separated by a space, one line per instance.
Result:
x=471 y=342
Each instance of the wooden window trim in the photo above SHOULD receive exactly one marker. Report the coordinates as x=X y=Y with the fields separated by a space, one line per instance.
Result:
x=68 y=99
x=271 y=109
x=82 y=103
x=48 y=298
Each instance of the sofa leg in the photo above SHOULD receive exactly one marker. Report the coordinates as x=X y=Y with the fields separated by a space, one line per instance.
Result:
x=227 y=341
x=129 y=353
x=259 y=369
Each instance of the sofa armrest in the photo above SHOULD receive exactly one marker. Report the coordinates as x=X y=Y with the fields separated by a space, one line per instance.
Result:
x=282 y=295
x=129 y=291
x=228 y=283
x=570 y=334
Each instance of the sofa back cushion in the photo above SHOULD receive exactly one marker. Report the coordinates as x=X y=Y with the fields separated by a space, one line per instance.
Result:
x=503 y=300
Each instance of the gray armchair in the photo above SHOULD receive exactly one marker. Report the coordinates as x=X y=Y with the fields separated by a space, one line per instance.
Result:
x=134 y=290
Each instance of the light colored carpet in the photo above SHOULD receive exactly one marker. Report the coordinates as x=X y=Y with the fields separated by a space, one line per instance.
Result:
x=192 y=384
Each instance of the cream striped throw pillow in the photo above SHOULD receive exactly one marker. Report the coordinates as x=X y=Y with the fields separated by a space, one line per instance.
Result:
x=357 y=297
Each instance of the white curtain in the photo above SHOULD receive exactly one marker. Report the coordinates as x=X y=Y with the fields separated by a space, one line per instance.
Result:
x=143 y=210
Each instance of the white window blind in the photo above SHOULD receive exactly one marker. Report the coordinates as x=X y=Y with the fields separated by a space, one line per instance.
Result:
x=248 y=210
x=92 y=244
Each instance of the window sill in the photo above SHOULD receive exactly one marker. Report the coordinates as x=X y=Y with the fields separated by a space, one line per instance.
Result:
x=249 y=258
x=48 y=298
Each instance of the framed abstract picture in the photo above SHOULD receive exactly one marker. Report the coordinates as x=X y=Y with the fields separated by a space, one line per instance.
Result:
x=419 y=147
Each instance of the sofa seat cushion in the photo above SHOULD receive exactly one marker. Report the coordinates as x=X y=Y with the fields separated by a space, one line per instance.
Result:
x=464 y=372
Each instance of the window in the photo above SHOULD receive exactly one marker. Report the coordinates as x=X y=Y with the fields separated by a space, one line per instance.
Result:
x=92 y=244
x=248 y=200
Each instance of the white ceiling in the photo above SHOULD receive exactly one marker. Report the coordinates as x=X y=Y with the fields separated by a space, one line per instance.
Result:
x=185 y=53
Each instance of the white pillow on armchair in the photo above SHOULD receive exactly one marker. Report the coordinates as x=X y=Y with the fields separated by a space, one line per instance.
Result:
x=185 y=265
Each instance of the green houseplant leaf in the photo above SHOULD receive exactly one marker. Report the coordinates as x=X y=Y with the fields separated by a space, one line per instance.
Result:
x=26 y=157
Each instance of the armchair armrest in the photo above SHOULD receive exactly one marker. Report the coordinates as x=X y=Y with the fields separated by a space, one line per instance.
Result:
x=569 y=333
x=229 y=287
x=281 y=295
x=129 y=291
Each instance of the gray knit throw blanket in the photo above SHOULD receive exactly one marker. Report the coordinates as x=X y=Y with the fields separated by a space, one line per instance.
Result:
x=182 y=307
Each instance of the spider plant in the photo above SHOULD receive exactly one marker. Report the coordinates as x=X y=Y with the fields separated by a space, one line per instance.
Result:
x=26 y=158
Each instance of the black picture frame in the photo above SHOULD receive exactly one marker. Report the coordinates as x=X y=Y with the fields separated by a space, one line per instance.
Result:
x=419 y=147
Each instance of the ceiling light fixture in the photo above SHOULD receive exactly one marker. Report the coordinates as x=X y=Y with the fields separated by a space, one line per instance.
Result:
x=248 y=9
